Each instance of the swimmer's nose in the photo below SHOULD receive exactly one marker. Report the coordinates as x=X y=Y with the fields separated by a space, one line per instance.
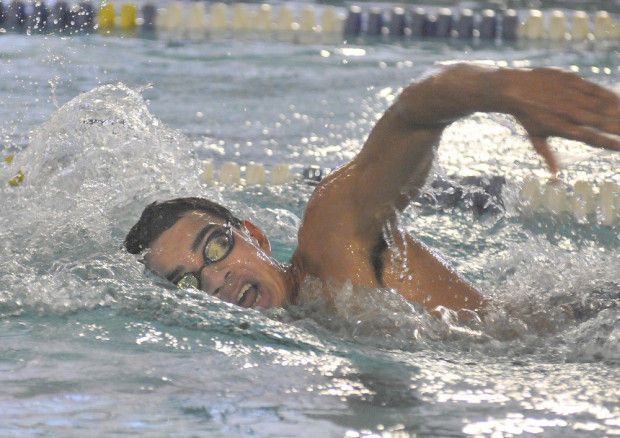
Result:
x=225 y=287
x=217 y=281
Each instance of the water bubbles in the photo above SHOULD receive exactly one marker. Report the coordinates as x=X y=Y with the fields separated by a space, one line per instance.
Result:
x=96 y=156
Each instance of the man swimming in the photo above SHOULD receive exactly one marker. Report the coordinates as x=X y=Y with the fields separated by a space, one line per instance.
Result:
x=349 y=230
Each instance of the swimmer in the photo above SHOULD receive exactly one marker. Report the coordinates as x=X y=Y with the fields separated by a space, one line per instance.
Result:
x=349 y=230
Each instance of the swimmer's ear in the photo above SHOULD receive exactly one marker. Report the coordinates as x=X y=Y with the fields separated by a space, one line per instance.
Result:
x=258 y=234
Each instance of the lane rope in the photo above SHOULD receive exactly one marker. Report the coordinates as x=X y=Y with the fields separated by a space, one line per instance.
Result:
x=309 y=23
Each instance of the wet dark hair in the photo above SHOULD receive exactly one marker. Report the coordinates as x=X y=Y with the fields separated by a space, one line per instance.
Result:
x=159 y=216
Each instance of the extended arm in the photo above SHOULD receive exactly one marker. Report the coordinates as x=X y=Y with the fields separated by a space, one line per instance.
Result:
x=351 y=209
x=396 y=158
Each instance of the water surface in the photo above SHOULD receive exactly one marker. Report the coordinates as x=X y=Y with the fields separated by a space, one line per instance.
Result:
x=90 y=342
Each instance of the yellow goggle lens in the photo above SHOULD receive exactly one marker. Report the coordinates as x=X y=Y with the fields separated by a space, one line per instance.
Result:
x=217 y=248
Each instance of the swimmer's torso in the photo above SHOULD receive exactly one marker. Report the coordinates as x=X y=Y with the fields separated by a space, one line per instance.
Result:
x=339 y=250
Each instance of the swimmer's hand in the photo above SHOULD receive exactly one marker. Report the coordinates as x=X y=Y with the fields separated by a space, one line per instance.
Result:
x=550 y=102
x=547 y=102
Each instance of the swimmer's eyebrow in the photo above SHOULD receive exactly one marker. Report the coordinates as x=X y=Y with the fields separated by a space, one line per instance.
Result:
x=174 y=275
x=201 y=235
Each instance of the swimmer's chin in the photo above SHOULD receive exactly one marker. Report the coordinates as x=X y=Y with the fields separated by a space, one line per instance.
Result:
x=272 y=298
x=264 y=299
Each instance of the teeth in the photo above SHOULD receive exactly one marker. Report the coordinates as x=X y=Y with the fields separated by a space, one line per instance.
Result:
x=243 y=290
x=258 y=295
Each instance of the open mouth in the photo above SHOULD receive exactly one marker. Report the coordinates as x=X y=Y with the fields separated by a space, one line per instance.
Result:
x=249 y=295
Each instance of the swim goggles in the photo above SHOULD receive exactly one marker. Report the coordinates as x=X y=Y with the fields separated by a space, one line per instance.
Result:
x=220 y=243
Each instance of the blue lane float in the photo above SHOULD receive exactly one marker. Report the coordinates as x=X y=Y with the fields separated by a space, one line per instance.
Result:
x=465 y=26
x=85 y=20
x=444 y=23
x=39 y=18
x=149 y=17
x=16 y=16
x=510 y=25
x=353 y=23
x=2 y=14
x=61 y=17
x=375 y=22
x=398 y=22
x=430 y=26
x=417 y=23
x=314 y=174
x=488 y=25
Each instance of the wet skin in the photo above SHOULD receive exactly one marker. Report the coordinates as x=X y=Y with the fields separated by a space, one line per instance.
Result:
x=179 y=250
x=358 y=204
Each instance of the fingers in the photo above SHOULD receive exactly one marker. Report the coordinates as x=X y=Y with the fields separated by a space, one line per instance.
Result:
x=605 y=96
x=584 y=134
x=599 y=112
x=543 y=149
x=593 y=138
x=603 y=107
x=607 y=124
x=575 y=83
x=579 y=101
x=557 y=126
x=564 y=105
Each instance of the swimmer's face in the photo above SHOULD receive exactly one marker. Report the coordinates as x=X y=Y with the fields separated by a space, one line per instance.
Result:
x=202 y=251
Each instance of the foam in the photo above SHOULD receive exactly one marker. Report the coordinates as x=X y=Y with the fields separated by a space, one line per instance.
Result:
x=96 y=162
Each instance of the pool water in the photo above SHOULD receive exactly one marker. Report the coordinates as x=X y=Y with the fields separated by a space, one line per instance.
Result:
x=92 y=344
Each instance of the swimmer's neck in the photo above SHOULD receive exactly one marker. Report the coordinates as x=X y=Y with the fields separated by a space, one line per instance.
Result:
x=293 y=276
